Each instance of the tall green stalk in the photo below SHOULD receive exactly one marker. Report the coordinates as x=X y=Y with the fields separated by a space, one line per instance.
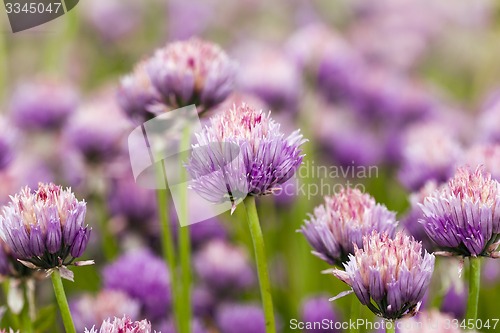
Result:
x=69 y=327
x=260 y=258
x=167 y=241
x=474 y=283
x=184 y=239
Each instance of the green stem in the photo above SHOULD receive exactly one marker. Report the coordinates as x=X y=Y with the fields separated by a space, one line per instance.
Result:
x=184 y=239
x=185 y=258
x=167 y=241
x=62 y=302
x=474 y=282
x=355 y=313
x=390 y=327
x=260 y=258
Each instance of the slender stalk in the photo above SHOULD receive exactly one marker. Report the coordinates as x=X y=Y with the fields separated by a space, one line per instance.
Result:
x=474 y=282
x=260 y=258
x=185 y=258
x=62 y=302
x=355 y=313
x=390 y=327
x=184 y=240
x=167 y=241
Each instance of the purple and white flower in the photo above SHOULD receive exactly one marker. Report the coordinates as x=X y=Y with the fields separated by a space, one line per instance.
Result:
x=122 y=325
x=45 y=228
x=338 y=226
x=137 y=96
x=389 y=275
x=463 y=217
x=192 y=72
x=243 y=152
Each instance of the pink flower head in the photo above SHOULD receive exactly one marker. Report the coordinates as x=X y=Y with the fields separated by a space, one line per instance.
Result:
x=389 y=275
x=123 y=325
x=192 y=72
x=243 y=152
x=340 y=223
x=45 y=227
x=463 y=217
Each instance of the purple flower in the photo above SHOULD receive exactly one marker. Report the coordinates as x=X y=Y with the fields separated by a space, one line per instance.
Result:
x=88 y=310
x=122 y=325
x=137 y=96
x=192 y=72
x=314 y=311
x=224 y=268
x=151 y=287
x=242 y=152
x=430 y=152
x=463 y=217
x=270 y=75
x=45 y=227
x=97 y=129
x=42 y=104
x=336 y=228
x=389 y=275
x=240 y=318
